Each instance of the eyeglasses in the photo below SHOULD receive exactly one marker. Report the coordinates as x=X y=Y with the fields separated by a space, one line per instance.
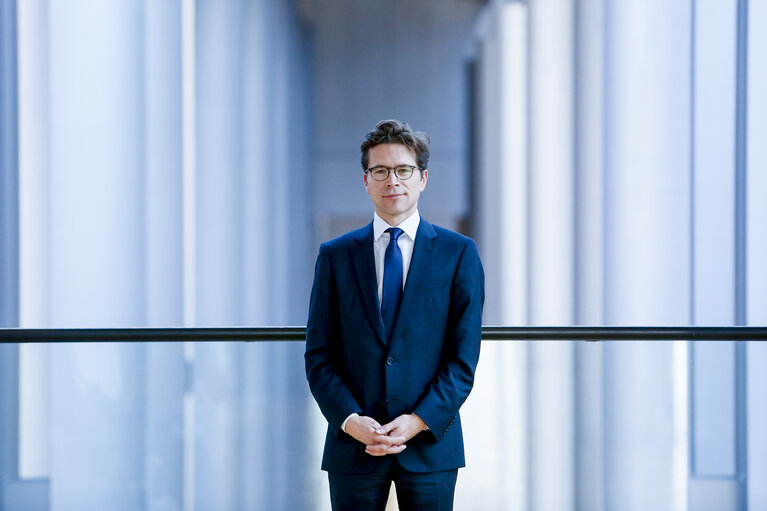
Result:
x=403 y=172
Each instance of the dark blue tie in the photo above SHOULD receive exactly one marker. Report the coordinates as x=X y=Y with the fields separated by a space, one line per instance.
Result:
x=392 y=281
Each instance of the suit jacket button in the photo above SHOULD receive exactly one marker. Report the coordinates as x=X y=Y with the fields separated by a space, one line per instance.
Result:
x=389 y=361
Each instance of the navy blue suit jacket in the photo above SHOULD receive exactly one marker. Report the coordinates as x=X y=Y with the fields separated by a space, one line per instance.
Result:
x=426 y=368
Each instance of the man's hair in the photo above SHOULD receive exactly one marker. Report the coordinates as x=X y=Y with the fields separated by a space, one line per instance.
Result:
x=392 y=131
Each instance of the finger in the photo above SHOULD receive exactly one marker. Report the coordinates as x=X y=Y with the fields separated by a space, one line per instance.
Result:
x=372 y=426
x=380 y=440
x=377 y=449
x=374 y=422
x=386 y=428
x=389 y=440
x=380 y=450
x=396 y=432
x=361 y=427
x=385 y=450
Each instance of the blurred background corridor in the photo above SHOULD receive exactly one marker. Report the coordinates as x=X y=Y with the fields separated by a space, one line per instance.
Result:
x=178 y=163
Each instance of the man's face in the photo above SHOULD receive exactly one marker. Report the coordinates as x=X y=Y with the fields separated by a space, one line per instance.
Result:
x=394 y=200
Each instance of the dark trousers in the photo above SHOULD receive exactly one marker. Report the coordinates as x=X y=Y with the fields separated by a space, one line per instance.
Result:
x=427 y=491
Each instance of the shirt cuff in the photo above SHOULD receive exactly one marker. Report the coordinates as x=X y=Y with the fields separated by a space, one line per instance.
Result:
x=343 y=425
x=424 y=422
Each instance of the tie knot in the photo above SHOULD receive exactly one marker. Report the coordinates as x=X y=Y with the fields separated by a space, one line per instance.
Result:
x=394 y=232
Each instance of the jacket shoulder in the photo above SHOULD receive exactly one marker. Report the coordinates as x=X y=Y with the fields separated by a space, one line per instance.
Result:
x=453 y=238
x=345 y=241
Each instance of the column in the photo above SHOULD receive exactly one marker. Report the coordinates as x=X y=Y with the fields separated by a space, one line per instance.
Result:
x=551 y=252
x=9 y=412
x=300 y=468
x=289 y=174
x=713 y=455
x=497 y=471
x=165 y=367
x=97 y=252
x=756 y=250
x=34 y=238
x=647 y=250
x=252 y=184
x=9 y=172
x=218 y=252
x=257 y=358
x=588 y=246
x=9 y=262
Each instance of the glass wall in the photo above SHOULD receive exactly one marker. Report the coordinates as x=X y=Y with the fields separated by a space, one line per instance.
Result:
x=163 y=426
x=231 y=425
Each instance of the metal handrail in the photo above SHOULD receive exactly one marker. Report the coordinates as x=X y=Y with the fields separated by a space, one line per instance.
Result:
x=298 y=333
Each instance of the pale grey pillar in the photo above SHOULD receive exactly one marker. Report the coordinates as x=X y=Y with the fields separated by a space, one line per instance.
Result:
x=503 y=157
x=9 y=411
x=218 y=252
x=164 y=427
x=714 y=162
x=756 y=161
x=481 y=448
x=97 y=252
x=164 y=185
x=551 y=252
x=252 y=184
x=589 y=156
x=9 y=242
x=9 y=168
x=647 y=250
x=256 y=490
x=297 y=466
x=714 y=480
x=589 y=248
x=97 y=427
x=165 y=367
x=278 y=157
x=490 y=209
x=287 y=174
x=262 y=420
x=756 y=254
x=34 y=164
x=495 y=415
x=34 y=237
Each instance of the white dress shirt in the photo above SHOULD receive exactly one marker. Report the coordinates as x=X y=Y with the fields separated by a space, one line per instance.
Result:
x=406 y=242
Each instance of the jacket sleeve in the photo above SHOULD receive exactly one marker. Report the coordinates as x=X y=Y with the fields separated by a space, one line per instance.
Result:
x=323 y=348
x=440 y=404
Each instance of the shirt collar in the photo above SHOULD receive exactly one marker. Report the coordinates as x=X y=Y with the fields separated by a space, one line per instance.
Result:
x=409 y=225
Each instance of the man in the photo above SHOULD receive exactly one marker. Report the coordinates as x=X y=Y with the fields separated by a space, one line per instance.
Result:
x=393 y=338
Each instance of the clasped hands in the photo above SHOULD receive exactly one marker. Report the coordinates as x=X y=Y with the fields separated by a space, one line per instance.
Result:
x=387 y=439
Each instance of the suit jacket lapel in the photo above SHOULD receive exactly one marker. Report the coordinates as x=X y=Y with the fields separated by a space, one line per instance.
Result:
x=365 y=269
x=423 y=252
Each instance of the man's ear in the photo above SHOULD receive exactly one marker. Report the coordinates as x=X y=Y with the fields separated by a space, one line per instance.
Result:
x=424 y=177
x=365 y=179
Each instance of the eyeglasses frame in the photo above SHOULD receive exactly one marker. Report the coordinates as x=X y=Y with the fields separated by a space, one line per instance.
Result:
x=392 y=170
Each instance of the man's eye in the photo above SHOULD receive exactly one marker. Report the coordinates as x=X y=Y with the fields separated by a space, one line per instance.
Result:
x=380 y=172
x=404 y=170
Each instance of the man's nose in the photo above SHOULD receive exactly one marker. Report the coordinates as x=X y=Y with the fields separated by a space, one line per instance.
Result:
x=391 y=179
